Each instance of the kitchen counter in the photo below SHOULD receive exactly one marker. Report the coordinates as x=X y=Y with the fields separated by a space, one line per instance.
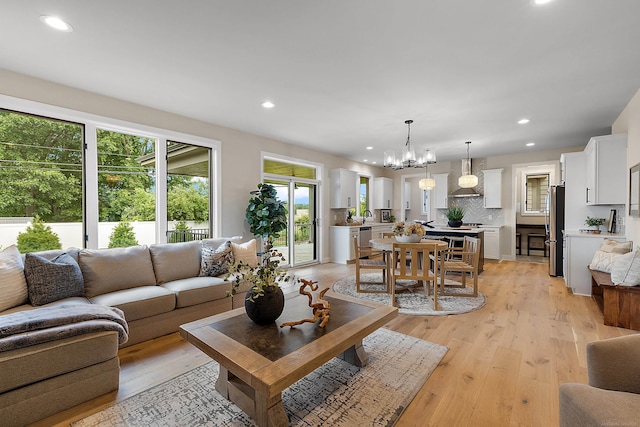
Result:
x=578 y=233
x=462 y=231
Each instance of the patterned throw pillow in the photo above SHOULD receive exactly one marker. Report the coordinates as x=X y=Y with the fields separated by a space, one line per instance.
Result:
x=215 y=262
x=13 y=286
x=602 y=261
x=50 y=281
x=625 y=270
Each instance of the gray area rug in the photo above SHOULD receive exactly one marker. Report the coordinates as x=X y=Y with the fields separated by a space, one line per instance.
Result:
x=335 y=394
x=412 y=300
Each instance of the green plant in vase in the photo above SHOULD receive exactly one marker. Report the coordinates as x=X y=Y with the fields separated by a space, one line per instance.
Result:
x=595 y=223
x=267 y=217
x=454 y=215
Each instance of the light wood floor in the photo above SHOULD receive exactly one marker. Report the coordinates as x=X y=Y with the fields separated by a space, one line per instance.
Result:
x=503 y=367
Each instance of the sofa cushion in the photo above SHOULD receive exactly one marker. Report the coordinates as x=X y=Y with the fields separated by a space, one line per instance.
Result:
x=49 y=281
x=53 y=253
x=174 y=261
x=215 y=242
x=109 y=270
x=38 y=362
x=245 y=252
x=140 y=302
x=197 y=290
x=13 y=285
x=215 y=262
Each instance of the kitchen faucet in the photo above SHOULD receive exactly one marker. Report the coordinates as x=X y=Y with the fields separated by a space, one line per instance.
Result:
x=367 y=214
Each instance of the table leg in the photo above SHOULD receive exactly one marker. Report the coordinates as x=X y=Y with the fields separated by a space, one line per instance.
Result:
x=270 y=411
x=222 y=382
x=356 y=355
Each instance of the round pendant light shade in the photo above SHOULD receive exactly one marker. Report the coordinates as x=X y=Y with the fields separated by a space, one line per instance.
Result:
x=427 y=184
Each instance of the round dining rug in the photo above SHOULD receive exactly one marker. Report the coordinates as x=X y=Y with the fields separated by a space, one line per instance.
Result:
x=411 y=300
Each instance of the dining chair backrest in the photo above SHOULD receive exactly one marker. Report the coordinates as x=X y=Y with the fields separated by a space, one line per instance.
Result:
x=413 y=261
x=471 y=250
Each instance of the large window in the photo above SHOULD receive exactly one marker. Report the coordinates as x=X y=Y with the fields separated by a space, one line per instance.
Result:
x=41 y=171
x=91 y=181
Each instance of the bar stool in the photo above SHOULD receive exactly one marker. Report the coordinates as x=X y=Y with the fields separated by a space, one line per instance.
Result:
x=532 y=238
x=519 y=243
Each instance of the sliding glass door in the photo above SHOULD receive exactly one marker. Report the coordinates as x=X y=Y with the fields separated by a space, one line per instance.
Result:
x=298 y=243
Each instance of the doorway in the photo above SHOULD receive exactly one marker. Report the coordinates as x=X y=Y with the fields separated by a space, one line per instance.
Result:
x=298 y=243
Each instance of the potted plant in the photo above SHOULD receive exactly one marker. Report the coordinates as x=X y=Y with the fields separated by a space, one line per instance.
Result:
x=265 y=299
x=595 y=224
x=267 y=217
x=454 y=215
x=408 y=233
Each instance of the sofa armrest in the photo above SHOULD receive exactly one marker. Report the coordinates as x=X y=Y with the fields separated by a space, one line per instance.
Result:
x=614 y=364
x=583 y=405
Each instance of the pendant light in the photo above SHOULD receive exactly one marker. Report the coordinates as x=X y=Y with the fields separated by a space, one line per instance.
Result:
x=407 y=158
x=428 y=183
x=467 y=180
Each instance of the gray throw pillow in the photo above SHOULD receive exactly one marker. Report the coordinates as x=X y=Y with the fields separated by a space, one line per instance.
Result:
x=215 y=262
x=49 y=281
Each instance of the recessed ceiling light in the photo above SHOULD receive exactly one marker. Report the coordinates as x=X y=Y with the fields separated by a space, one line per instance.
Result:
x=365 y=160
x=523 y=121
x=369 y=148
x=56 y=23
x=268 y=104
x=538 y=2
x=530 y=144
x=373 y=163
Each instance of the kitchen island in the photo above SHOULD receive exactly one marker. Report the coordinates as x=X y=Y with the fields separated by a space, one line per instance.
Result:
x=460 y=232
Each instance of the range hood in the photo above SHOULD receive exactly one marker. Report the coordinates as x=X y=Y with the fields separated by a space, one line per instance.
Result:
x=465 y=192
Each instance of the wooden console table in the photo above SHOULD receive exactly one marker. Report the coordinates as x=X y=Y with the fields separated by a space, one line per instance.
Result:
x=620 y=305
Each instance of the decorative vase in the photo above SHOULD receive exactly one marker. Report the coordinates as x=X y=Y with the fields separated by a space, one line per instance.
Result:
x=267 y=308
x=455 y=224
x=411 y=238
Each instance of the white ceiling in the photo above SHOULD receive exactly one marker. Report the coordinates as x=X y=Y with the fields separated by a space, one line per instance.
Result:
x=346 y=74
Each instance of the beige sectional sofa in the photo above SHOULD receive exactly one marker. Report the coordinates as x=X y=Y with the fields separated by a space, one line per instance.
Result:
x=157 y=287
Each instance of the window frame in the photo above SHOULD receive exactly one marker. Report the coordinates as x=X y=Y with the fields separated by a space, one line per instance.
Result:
x=93 y=122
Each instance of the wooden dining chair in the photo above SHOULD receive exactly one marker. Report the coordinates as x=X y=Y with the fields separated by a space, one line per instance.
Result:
x=374 y=262
x=464 y=260
x=424 y=270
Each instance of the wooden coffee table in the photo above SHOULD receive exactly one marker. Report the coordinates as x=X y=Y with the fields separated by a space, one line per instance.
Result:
x=258 y=362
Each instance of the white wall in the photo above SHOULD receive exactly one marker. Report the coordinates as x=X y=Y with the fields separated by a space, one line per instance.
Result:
x=629 y=122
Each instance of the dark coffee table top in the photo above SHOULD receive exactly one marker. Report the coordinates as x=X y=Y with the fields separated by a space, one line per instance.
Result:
x=274 y=342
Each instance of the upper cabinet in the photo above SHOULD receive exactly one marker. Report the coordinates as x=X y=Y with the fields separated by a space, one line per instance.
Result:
x=493 y=188
x=383 y=193
x=344 y=188
x=441 y=192
x=606 y=170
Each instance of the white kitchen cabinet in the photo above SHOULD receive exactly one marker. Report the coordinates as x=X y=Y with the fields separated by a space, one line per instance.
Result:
x=493 y=188
x=383 y=193
x=407 y=195
x=344 y=188
x=580 y=249
x=440 y=194
x=341 y=243
x=491 y=242
x=606 y=170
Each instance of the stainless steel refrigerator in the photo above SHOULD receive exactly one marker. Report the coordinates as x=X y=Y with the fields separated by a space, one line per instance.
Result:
x=554 y=224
